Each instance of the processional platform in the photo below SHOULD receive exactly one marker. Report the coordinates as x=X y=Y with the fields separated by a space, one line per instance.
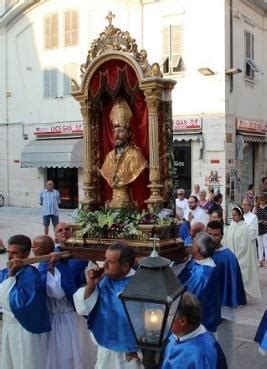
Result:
x=128 y=158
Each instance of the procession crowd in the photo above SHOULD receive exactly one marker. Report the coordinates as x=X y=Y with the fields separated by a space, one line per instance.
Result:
x=66 y=313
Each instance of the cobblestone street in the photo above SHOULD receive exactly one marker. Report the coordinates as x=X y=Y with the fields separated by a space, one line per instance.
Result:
x=28 y=221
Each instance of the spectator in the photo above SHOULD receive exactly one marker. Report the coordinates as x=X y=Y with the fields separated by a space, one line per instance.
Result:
x=196 y=191
x=181 y=201
x=250 y=196
x=261 y=213
x=263 y=187
x=203 y=202
x=216 y=216
x=216 y=203
x=49 y=200
x=195 y=213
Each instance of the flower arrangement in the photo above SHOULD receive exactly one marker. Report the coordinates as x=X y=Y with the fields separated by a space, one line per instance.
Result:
x=120 y=223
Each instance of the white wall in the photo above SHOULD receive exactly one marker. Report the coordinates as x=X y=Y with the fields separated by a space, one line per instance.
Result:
x=203 y=23
x=247 y=99
x=28 y=58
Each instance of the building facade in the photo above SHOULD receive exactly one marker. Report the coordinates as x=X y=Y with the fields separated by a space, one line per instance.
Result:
x=215 y=50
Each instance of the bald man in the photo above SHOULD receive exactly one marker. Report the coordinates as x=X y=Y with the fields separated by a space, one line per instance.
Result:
x=60 y=285
x=63 y=232
x=49 y=200
x=194 y=230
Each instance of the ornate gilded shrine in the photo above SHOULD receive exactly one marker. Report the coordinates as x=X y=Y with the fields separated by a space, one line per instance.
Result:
x=122 y=95
x=115 y=68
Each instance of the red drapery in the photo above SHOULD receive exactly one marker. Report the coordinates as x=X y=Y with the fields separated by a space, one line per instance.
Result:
x=116 y=78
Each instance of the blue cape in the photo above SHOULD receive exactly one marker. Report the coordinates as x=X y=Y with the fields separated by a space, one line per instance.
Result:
x=201 y=352
x=183 y=230
x=108 y=320
x=201 y=280
x=77 y=268
x=27 y=300
x=231 y=284
x=67 y=280
x=261 y=335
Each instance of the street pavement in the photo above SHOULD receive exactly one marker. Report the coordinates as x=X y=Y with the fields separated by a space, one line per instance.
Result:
x=28 y=221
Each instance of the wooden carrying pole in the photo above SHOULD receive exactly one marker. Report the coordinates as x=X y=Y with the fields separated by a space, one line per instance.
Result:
x=38 y=259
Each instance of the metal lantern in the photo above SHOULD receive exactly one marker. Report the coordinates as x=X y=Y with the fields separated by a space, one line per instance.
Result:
x=151 y=300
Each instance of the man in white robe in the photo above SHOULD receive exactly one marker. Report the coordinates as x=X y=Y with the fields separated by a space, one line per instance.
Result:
x=25 y=316
x=238 y=239
x=251 y=221
x=107 y=320
x=60 y=286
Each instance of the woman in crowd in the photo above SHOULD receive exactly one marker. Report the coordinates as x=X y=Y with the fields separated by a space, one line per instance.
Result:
x=203 y=202
x=216 y=216
x=261 y=213
x=250 y=196
x=238 y=240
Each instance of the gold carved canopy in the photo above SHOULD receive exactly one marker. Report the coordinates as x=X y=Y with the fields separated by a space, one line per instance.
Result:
x=111 y=45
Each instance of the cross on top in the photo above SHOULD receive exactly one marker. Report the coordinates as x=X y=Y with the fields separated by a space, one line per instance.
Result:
x=154 y=239
x=109 y=17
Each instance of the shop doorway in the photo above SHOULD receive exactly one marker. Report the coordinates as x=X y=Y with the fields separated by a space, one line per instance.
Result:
x=247 y=167
x=66 y=182
x=182 y=166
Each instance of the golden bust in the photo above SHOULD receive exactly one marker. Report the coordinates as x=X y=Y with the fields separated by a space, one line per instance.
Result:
x=125 y=162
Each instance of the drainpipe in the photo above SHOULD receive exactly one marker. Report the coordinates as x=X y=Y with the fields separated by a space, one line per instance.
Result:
x=231 y=44
x=7 y=120
x=142 y=23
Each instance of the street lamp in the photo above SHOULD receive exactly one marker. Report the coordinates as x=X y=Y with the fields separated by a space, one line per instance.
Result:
x=151 y=301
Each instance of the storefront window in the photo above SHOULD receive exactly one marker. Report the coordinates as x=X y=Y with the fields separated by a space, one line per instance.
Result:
x=182 y=166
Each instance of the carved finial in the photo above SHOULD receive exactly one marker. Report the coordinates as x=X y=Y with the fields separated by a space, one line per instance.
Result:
x=109 y=17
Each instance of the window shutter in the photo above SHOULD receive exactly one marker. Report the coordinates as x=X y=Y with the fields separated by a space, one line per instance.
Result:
x=54 y=30
x=247 y=44
x=71 y=28
x=67 y=29
x=47 y=32
x=51 y=31
x=75 y=28
x=46 y=83
x=50 y=83
x=53 y=83
x=176 y=35
x=176 y=40
x=166 y=41
x=252 y=46
x=70 y=71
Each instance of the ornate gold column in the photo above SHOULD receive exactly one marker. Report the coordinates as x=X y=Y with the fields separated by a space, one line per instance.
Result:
x=155 y=199
x=88 y=187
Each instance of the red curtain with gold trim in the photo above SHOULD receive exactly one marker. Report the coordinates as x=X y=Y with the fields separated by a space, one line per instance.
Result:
x=117 y=78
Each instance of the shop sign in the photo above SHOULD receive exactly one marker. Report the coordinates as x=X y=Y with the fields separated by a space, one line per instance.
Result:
x=251 y=126
x=213 y=179
x=189 y=124
x=59 y=129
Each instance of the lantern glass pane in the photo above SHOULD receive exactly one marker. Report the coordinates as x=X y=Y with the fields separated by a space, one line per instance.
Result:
x=147 y=319
x=171 y=316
